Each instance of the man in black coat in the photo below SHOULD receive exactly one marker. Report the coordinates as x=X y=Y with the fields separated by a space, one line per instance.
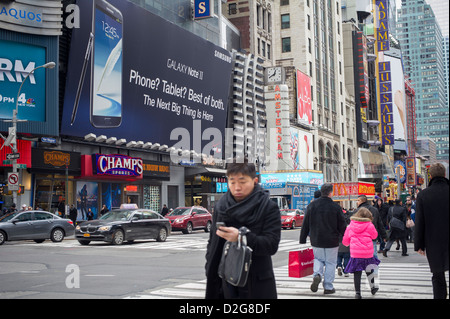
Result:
x=245 y=204
x=431 y=236
x=324 y=223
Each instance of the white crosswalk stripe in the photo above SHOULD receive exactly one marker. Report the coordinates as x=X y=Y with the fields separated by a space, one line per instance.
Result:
x=395 y=280
x=187 y=242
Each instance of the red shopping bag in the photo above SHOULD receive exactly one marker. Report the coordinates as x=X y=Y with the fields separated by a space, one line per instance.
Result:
x=301 y=263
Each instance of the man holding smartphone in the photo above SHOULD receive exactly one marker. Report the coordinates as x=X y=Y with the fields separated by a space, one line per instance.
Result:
x=245 y=204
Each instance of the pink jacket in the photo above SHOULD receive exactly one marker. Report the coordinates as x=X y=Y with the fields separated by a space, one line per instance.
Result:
x=360 y=235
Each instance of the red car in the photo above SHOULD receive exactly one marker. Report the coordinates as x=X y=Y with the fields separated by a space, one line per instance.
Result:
x=291 y=218
x=187 y=219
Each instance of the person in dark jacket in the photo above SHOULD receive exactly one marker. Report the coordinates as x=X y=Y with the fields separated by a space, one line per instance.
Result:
x=376 y=220
x=245 y=204
x=383 y=209
x=73 y=214
x=431 y=236
x=324 y=224
x=397 y=225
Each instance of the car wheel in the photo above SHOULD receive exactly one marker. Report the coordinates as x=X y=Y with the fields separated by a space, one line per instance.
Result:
x=293 y=224
x=57 y=235
x=84 y=242
x=39 y=241
x=118 y=237
x=162 y=235
x=188 y=229
x=208 y=227
x=2 y=237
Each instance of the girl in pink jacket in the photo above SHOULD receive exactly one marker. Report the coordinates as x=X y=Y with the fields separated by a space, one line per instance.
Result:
x=360 y=235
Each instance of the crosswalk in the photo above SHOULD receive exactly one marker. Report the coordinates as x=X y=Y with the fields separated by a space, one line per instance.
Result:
x=395 y=280
x=177 y=243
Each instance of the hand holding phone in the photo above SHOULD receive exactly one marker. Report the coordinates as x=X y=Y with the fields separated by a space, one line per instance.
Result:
x=220 y=224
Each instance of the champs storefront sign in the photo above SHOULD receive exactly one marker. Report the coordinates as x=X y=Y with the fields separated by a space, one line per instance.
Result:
x=55 y=161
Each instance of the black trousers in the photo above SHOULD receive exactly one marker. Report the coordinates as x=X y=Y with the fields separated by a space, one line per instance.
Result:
x=357 y=280
x=439 y=285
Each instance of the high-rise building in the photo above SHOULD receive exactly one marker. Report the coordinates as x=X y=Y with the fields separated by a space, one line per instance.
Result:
x=421 y=42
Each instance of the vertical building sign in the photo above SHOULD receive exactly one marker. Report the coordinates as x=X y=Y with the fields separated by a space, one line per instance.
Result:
x=382 y=7
x=304 y=98
x=387 y=117
x=277 y=102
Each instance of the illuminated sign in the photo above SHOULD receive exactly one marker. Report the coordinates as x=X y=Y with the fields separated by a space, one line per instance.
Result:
x=383 y=25
x=203 y=9
x=118 y=165
x=387 y=116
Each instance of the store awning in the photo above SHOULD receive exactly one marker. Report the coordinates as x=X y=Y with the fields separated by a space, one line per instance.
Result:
x=373 y=164
x=193 y=171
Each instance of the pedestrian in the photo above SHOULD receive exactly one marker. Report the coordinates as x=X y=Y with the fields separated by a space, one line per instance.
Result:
x=431 y=227
x=73 y=214
x=247 y=204
x=344 y=251
x=24 y=208
x=410 y=228
x=104 y=210
x=164 y=210
x=90 y=214
x=376 y=220
x=383 y=209
x=324 y=223
x=12 y=209
x=397 y=227
x=360 y=236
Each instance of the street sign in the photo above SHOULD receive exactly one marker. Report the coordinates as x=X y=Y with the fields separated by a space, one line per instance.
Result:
x=13 y=156
x=7 y=162
x=13 y=181
x=21 y=166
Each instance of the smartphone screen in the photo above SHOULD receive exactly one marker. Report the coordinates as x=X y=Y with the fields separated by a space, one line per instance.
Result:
x=106 y=91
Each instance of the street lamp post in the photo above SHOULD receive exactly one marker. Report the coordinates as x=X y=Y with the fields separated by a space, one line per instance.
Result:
x=14 y=120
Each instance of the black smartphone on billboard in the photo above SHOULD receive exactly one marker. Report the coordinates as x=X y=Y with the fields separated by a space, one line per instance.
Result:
x=106 y=67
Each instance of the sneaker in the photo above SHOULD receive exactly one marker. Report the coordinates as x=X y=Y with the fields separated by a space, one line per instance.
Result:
x=346 y=274
x=315 y=284
x=374 y=290
x=405 y=255
x=339 y=271
x=329 y=291
x=358 y=295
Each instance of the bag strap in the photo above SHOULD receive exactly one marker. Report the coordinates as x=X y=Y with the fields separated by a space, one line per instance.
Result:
x=242 y=238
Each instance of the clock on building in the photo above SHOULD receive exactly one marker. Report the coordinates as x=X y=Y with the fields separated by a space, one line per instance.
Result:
x=274 y=75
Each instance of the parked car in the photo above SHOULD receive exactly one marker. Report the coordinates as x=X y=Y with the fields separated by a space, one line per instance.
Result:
x=34 y=225
x=118 y=226
x=187 y=219
x=291 y=218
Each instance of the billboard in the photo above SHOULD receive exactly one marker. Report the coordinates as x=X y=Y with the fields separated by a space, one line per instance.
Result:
x=304 y=109
x=145 y=77
x=16 y=61
x=301 y=149
x=399 y=111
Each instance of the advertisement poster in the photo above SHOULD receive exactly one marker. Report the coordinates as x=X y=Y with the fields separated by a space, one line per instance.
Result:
x=304 y=98
x=146 y=79
x=16 y=61
x=301 y=149
x=87 y=196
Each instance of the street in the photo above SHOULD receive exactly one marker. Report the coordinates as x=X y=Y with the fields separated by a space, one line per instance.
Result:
x=173 y=269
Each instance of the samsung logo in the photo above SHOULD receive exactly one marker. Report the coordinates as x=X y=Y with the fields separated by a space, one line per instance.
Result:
x=222 y=56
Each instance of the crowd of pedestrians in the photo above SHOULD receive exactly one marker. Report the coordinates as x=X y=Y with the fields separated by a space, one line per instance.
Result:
x=348 y=240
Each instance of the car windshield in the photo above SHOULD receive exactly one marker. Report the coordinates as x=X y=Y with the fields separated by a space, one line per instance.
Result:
x=287 y=213
x=116 y=215
x=8 y=217
x=180 y=211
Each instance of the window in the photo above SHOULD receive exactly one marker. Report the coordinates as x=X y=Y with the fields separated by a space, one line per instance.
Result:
x=284 y=2
x=285 y=21
x=24 y=217
x=286 y=44
x=232 y=8
x=42 y=216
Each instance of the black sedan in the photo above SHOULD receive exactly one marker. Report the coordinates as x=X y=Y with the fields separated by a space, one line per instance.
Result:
x=34 y=225
x=122 y=225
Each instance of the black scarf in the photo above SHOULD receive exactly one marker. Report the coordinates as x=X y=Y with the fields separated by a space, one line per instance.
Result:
x=248 y=212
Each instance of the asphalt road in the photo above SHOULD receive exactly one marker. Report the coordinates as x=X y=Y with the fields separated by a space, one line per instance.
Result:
x=68 y=270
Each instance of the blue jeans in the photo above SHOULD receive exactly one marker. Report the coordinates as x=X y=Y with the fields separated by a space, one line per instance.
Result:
x=325 y=265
